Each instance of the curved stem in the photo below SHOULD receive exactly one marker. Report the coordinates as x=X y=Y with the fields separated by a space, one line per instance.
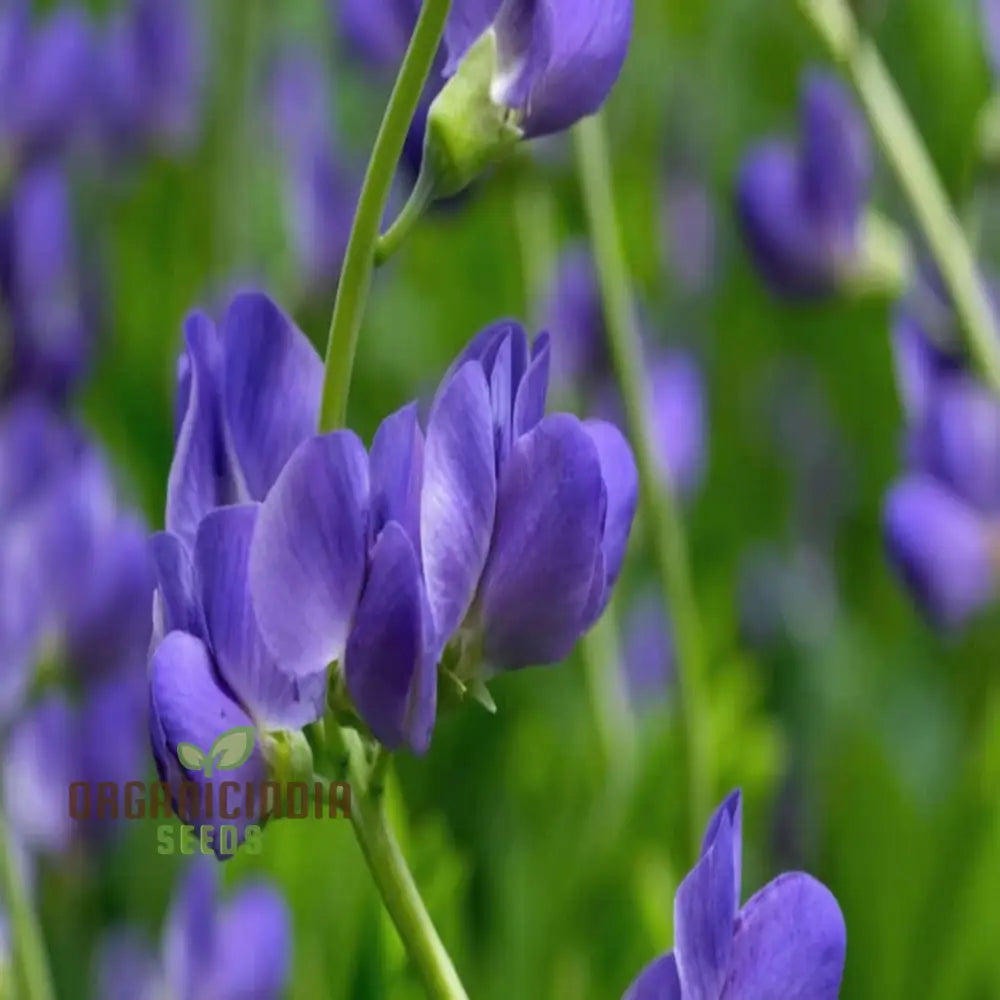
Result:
x=903 y=148
x=661 y=510
x=356 y=274
x=386 y=862
x=420 y=197
x=31 y=967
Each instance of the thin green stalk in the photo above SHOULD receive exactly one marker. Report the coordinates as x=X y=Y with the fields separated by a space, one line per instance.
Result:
x=661 y=511
x=388 y=866
x=905 y=151
x=31 y=967
x=359 y=259
x=420 y=197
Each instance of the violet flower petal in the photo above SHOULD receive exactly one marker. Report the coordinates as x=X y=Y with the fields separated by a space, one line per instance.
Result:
x=386 y=662
x=550 y=505
x=458 y=499
x=307 y=558
x=272 y=383
x=790 y=942
x=273 y=697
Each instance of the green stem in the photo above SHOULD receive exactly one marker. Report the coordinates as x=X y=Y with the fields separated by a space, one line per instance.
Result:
x=359 y=259
x=661 y=510
x=903 y=148
x=420 y=197
x=388 y=866
x=30 y=961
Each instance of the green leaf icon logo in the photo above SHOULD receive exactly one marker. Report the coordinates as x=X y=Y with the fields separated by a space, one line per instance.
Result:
x=191 y=757
x=231 y=749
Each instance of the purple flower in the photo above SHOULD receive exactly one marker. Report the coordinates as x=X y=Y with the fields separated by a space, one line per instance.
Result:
x=556 y=60
x=226 y=950
x=501 y=529
x=320 y=192
x=47 y=75
x=50 y=317
x=574 y=317
x=689 y=233
x=152 y=73
x=648 y=651
x=942 y=547
x=676 y=416
x=335 y=575
x=378 y=33
x=787 y=941
x=248 y=393
x=801 y=208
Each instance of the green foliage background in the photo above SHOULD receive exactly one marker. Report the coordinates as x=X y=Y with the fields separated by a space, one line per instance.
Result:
x=544 y=878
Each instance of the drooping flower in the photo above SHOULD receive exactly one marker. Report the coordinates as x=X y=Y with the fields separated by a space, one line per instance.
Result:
x=151 y=74
x=801 y=207
x=788 y=940
x=555 y=61
x=226 y=950
x=320 y=192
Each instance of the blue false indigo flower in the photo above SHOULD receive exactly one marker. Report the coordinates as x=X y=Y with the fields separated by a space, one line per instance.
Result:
x=788 y=940
x=41 y=283
x=47 y=74
x=648 y=654
x=248 y=392
x=801 y=208
x=226 y=950
x=518 y=69
x=943 y=548
x=501 y=528
x=152 y=72
x=574 y=317
x=210 y=671
x=320 y=193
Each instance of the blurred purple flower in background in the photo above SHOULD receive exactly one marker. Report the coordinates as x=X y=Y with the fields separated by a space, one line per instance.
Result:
x=801 y=207
x=226 y=950
x=940 y=518
x=689 y=233
x=75 y=612
x=151 y=74
x=320 y=191
x=574 y=317
x=648 y=654
x=51 y=316
x=788 y=940
x=46 y=82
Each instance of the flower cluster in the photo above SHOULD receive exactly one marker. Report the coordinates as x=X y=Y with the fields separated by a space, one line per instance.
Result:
x=788 y=940
x=801 y=207
x=493 y=535
x=224 y=950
